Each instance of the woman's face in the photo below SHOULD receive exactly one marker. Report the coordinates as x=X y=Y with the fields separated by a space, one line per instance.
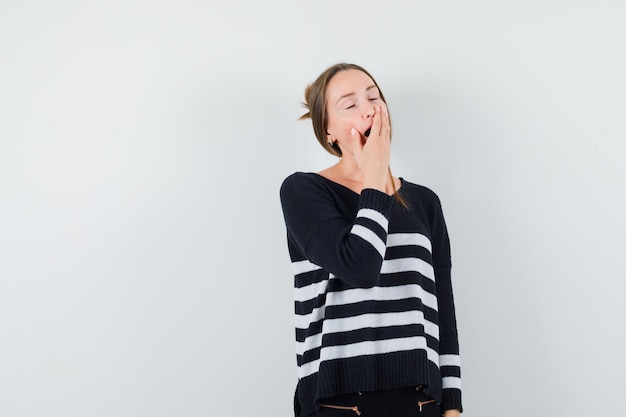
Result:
x=352 y=98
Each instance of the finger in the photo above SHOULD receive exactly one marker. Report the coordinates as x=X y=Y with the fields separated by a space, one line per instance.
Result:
x=357 y=147
x=376 y=123
x=386 y=125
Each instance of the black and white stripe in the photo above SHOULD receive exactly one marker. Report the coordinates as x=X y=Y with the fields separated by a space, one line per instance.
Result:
x=397 y=312
x=450 y=366
x=373 y=293
x=371 y=226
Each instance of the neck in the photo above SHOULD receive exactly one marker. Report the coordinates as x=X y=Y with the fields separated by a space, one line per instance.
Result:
x=349 y=172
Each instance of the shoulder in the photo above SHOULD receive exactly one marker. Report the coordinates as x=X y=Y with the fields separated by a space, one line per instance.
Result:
x=299 y=178
x=300 y=181
x=419 y=193
x=304 y=186
x=426 y=203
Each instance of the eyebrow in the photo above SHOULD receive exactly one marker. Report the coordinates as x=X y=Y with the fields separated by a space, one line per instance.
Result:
x=353 y=93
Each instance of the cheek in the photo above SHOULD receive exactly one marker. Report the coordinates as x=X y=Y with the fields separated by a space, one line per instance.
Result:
x=343 y=126
x=340 y=125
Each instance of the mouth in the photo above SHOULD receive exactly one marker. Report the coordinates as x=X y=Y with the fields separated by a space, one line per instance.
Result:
x=367 y=132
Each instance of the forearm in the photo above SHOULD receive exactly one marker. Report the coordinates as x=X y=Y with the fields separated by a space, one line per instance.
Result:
x=352 y=249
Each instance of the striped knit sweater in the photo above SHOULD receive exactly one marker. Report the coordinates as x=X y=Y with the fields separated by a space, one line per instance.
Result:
x=373 y=296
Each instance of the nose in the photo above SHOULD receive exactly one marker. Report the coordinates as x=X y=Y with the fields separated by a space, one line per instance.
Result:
x=369 y=111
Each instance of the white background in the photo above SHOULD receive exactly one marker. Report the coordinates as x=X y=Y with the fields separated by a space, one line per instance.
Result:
x=143 y=260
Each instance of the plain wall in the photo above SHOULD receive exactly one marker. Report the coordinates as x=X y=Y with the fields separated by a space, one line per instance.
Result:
x=143 y=260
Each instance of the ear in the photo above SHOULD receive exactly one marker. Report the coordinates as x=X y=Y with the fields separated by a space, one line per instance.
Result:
x=329 y=139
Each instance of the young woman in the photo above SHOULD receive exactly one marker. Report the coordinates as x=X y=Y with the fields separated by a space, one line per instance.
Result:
x=375 y=323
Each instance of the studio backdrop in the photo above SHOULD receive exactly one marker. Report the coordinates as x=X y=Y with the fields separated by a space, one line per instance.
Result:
x=143 y=260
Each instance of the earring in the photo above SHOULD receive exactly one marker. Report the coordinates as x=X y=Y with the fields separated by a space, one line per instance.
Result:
x=330 y=143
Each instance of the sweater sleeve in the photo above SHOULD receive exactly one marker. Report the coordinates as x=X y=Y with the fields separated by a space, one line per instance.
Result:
x=352 y=249
x=449 y=359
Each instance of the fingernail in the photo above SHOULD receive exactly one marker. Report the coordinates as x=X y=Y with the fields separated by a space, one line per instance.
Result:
x=353 y=131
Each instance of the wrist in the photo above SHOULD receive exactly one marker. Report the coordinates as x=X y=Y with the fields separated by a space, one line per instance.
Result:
x=375 y=183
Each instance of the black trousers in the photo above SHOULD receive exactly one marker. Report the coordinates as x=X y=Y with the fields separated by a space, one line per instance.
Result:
x=402 y=402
